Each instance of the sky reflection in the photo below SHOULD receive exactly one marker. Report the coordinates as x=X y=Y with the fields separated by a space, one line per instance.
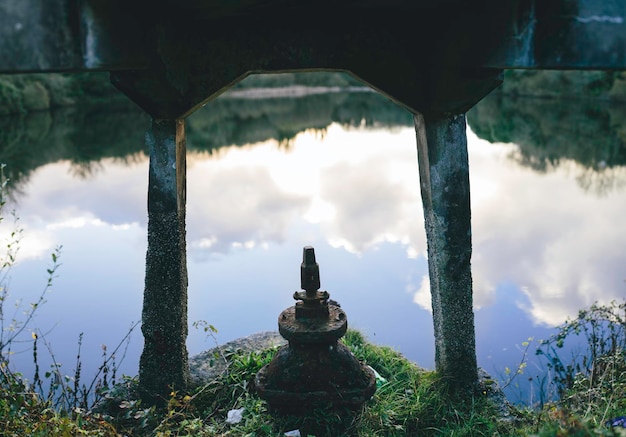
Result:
x=562 y=246
x=543 y=247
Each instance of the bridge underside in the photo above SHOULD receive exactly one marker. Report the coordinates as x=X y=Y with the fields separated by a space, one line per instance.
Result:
x=428 y=55
x=437 y=58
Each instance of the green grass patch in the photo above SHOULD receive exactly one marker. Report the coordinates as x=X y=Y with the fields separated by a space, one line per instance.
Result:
x=408 y=401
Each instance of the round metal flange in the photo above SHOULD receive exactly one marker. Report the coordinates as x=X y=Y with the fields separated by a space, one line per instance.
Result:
x=313 y=330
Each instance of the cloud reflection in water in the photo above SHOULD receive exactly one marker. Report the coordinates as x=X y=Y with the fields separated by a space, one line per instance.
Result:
x=561 y=245
x=356 y=193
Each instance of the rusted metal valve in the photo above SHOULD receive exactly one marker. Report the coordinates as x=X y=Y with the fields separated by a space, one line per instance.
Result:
x=314 y=303
x=314 y=369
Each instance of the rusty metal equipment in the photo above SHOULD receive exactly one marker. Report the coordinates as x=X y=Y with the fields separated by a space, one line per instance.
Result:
x=315 y=368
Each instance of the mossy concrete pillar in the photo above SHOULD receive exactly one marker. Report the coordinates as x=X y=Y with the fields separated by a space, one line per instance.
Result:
x=444 y=180
x=163 y=366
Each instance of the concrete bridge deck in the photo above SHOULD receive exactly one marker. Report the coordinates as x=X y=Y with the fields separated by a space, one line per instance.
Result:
x=404 y=48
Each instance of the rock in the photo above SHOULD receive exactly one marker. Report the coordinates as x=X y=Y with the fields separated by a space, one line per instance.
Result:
x=209 y=364
x=492 y=390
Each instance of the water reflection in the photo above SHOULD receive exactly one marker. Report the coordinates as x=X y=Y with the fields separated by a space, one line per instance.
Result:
x=541 y=232
x=552 y=133
x=359 y=187
x=83 y=136
x=543 y=248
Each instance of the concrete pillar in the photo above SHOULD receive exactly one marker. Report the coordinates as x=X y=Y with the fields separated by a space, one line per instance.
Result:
x=444 y=181
x=163 y=366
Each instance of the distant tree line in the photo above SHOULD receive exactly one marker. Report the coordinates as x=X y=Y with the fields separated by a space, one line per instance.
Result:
x=23 y=93
x=600 y=85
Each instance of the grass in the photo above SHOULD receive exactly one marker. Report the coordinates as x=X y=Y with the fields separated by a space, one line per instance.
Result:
x=591 y=383
x=410 y=401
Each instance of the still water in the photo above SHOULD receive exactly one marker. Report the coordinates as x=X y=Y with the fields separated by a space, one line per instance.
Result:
x=548 y=237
